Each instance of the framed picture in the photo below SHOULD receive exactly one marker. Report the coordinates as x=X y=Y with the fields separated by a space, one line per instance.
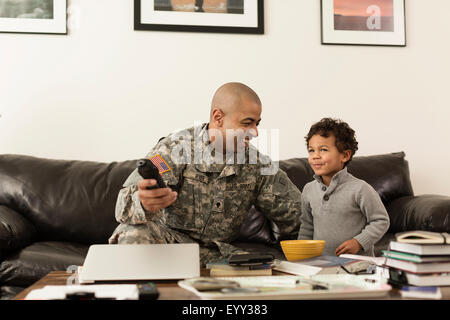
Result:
x=363 y=22
x=33 y=16
x=225 y=16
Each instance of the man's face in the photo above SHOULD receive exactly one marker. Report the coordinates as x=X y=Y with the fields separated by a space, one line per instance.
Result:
x=240 y=126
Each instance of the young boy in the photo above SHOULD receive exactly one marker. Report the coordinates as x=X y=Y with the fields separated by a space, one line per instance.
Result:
x=344 y=211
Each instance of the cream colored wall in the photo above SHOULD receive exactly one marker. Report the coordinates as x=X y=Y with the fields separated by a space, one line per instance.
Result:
x=106 y=92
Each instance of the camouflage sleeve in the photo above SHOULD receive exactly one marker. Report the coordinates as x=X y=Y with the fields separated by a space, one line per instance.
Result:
x=280 y=200
x=129 y=209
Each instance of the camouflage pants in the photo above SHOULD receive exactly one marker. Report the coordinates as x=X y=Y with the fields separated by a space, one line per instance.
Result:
x=154 y=232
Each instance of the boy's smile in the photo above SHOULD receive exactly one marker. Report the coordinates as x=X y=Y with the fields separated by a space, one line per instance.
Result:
x=325 y=158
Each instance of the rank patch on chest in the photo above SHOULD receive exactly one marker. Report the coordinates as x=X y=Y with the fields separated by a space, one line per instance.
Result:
x=218 y=205
x=159 y=162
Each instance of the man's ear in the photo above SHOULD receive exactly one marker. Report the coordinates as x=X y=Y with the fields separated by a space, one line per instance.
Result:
x=217 y=116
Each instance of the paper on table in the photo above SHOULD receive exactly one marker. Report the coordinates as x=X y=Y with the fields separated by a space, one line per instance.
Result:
x=376 y=260
x=115 y=291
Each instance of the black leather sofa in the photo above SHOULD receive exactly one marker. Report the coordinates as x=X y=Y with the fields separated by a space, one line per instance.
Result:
x=52 y=210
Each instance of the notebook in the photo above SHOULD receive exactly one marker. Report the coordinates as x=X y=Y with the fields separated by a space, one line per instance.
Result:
x=125 y=262
x=428 y=279
x=421 y=292
x=431 y=267
x=413 y=257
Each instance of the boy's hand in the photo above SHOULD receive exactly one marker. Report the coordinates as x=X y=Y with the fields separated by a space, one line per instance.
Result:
x=350 y=246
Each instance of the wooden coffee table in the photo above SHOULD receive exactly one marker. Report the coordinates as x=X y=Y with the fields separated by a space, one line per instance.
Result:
x=169 y=289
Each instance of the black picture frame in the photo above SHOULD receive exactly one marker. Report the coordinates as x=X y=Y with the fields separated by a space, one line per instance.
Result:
x=392 y=38
x=31 y=24
x=258 y=28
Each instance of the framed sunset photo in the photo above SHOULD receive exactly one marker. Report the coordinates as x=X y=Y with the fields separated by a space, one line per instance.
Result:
x=363 y=22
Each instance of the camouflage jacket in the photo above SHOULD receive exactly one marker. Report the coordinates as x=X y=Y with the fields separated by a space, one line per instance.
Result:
x=213 y=199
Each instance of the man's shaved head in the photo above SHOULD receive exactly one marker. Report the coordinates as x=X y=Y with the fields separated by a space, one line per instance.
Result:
x=236 y=108
x=229 y=97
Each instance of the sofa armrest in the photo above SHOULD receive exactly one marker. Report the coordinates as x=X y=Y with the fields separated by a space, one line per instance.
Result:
x=16 y=231
x=425 y=212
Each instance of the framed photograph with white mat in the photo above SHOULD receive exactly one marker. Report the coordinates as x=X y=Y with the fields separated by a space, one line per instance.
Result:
x=363 y=22
x=224 y=16
x=33 y=16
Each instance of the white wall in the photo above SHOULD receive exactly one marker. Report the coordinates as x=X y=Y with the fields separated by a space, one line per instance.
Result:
x=106 y=92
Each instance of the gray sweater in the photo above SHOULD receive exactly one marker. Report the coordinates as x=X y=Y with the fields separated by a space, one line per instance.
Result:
x=348 y=208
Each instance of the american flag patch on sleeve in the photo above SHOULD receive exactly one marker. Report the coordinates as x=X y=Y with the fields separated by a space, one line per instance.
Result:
x=159 y=162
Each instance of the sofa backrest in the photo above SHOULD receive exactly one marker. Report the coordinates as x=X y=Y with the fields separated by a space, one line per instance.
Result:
x=388 y=174
x=75 y=200
x=64 y=200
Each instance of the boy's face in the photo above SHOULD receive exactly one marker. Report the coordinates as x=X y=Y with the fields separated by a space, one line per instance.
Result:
x=325 y=158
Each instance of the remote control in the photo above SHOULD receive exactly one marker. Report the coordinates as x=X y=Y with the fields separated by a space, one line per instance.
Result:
x=148 y=170
x=148 y=291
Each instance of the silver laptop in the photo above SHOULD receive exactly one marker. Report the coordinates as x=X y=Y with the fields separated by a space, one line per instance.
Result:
x=122 y=262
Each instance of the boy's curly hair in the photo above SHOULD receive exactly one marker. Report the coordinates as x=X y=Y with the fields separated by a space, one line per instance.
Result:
x=345 y=136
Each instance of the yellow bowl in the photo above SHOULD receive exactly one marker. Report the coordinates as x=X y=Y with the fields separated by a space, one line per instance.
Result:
x=318 y=248
x=302 y=249
x=302 y=242
x=286 y=251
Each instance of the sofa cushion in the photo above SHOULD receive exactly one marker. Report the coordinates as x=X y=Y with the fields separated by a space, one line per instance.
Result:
x=64 y=200
x=9 y=292
x=27 y=266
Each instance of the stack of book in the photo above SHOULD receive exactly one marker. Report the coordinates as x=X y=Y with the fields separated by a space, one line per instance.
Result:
x=423 y=256
x=223 y=269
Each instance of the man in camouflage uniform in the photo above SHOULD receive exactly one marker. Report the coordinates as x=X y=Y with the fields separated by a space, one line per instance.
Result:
x=211 y=188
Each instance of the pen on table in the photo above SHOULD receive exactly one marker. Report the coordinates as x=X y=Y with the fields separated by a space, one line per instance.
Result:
x=239 y=290
x=315 y=284
x=370 y=280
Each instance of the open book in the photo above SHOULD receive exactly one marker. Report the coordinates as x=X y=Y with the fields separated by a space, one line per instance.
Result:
x=422 y=237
